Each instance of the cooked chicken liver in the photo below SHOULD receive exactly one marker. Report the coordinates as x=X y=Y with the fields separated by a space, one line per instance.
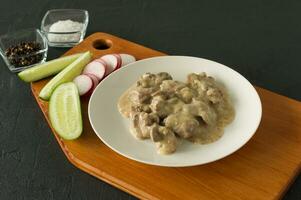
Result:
x=166 y=110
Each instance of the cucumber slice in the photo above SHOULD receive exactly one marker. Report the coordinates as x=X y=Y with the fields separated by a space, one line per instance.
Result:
x=47 y=69
x=65 y=112
x=66 y=75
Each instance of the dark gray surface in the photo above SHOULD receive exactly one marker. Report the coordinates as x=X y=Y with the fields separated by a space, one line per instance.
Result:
x=259 y=39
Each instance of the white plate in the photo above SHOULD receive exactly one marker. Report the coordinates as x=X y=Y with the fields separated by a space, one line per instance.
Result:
x=113 y=129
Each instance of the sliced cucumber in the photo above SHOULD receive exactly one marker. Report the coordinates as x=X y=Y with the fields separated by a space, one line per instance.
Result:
x=66 y=75
x=47 y=69
x=65 y=112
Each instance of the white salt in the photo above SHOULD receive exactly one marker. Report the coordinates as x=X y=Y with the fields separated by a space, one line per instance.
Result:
x=65 y=26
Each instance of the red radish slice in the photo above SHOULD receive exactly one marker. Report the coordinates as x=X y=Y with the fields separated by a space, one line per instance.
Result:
x=84 y=84
x=94 y=79
x=112 y=63
x=126 y=59
x=96 y=68
x=101 y=61
x=118 y=60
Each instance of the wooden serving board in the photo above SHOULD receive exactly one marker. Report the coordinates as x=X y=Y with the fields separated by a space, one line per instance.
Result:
x=262 y=169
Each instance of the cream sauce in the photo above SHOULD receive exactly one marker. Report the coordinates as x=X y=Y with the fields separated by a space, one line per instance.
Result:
x=125 y=104
x=205 y=133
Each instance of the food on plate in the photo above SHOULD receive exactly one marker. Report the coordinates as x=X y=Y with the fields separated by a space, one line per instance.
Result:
x=165 y=110
x=65 y=111
x=66 y=75
x=48 y=68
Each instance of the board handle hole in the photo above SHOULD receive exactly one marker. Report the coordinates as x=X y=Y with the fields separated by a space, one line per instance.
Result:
x=102 y=44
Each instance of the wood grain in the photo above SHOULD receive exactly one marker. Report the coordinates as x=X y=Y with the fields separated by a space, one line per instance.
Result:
x=262 y=169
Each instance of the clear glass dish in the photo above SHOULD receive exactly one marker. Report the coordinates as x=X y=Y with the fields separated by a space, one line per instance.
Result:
x=27 y=35
x=50 y=27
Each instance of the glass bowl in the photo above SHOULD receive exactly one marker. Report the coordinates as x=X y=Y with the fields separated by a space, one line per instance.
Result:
x=55 y=28
x=10 y=40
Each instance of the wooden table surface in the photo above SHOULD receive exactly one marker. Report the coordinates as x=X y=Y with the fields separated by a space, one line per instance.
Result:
x=258 y=39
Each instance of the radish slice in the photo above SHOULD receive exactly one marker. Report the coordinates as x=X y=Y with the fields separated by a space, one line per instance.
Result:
x=119 y=62
x=126 y=59
x=84 y=84
x=96 y=68
x=101 y=61
x=112 y=63
x=94 y=79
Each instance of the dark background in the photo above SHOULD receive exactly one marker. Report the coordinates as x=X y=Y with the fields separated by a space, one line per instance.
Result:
x=259 y=39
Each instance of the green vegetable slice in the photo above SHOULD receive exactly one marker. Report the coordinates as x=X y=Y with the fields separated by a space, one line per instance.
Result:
x=47 y=69
x=65 y=111
x=66 y=75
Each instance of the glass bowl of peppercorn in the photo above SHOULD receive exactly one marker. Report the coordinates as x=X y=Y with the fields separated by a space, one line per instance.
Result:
x=23 y=49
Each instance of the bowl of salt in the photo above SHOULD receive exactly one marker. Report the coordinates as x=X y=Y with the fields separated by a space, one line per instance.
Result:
x=64 y=27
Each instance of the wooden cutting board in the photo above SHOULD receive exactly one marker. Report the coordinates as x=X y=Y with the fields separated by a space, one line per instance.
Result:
x=262 y=169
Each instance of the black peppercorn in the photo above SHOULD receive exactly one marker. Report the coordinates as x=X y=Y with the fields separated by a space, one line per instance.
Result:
x=19 y=55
